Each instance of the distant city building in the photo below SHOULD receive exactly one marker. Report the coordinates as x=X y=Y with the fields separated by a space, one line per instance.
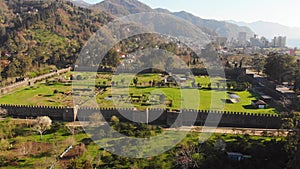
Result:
x=242 y=39
x=221 y=41
x=279 y=42
x=265 y=42
x=255 y=42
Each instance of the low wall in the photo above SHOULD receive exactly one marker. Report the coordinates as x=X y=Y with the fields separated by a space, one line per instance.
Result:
x=28 y=82
x=152 y=116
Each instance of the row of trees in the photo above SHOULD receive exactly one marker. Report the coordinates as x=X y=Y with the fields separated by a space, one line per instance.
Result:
x=278 y=67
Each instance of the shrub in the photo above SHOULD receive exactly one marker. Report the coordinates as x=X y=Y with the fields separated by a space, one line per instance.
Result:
x=55 y=91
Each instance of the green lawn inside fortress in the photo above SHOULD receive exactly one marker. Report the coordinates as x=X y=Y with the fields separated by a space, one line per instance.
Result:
x=59 y=94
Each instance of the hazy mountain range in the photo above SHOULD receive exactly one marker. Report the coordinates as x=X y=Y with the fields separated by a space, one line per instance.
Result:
x=117 y=8
x=270 y=29
x=122 y=7
x=81 y=3
x=212 y=27
x=229 y=29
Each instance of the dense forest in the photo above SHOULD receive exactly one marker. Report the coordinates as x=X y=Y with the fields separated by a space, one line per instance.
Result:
x=35 y=34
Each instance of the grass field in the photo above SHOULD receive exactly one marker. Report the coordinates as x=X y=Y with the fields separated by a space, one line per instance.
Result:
x=189 y=96
x=203 y=99
x=40 y=95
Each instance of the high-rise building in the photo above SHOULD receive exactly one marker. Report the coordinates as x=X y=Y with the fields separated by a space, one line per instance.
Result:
x=264 y=41
x=242 y=39
x=221 y=41
x=282 y=41
x=255 y=41
x=279 y=42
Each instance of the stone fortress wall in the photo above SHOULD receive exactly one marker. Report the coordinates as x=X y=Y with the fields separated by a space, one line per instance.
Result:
x=163 y=117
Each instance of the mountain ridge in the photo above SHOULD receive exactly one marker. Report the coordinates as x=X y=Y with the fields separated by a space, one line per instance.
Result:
x=81 y=3
x=270 y=29
x=212 y=27
x=122 y=7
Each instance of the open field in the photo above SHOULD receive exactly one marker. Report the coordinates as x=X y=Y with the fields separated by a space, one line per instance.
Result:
x=40 y=95
x=206 y=101
x=58 y=94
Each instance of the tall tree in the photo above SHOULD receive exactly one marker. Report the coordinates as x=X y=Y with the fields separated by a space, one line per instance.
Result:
x=280 y=66
x=42 y=124
x=293 y=141
x=258 y=63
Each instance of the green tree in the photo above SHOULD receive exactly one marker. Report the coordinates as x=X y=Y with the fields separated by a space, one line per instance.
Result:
x=15 y=68
x=135 y=81
x=293 y=141
x=111 y=59
x=258 y=63
x=280 y=66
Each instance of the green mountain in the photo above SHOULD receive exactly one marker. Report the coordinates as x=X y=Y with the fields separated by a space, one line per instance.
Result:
x=35 y=34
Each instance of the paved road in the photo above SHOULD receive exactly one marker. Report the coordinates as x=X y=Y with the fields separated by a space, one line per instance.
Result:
x=219 y=130
x=232 y=130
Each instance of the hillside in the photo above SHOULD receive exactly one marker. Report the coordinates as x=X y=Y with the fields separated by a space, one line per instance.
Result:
x=80 y=3
x=41 y=33
x=211 y=27
x=5 y=15
x=122 y=7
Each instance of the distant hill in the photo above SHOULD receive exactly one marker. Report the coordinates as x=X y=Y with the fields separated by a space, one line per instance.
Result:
x=161 y=10
x=224 y=29
x=122 y=7
x=80 y=3
x=270 y=29
x=212 y=27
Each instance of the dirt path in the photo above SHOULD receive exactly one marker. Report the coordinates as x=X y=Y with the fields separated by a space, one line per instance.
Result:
x=219 y=130
x=231 y=130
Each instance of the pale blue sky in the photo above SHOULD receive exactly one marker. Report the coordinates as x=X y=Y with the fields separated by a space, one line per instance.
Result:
x=284 y=12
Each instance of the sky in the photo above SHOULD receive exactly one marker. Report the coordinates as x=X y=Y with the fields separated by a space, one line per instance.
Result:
x=284 y=12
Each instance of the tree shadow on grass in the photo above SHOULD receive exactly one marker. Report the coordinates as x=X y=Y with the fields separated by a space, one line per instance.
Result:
x=48 y=95
x=43 y=154
x=249 y=107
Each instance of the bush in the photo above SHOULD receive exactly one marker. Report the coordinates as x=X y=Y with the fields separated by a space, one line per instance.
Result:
x=79 y=77
x=4 y=144
x=55 y=91
x=8 y=161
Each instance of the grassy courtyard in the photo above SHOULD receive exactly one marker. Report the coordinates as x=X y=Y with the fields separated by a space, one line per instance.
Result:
x=140 y=96
x=205 y=102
